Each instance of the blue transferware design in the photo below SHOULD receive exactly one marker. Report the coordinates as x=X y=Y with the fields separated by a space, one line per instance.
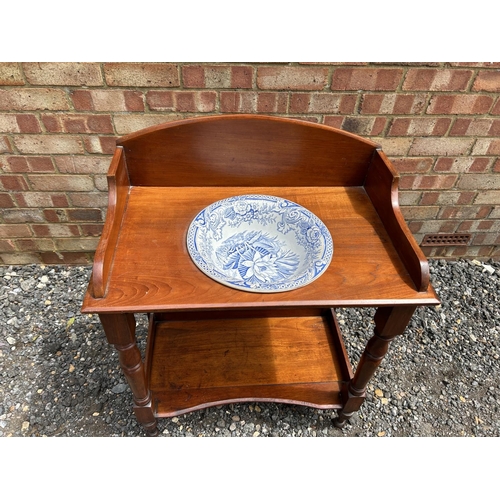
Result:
x=259 y=243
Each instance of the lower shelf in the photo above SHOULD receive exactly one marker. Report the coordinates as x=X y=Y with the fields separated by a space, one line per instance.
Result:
x=196 y=363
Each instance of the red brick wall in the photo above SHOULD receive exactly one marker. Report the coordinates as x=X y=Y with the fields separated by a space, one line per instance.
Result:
x=438 y=122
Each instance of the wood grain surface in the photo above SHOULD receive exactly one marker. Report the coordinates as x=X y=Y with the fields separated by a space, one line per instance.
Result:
x=204 y=362
x=246 y=150
x=152 y=270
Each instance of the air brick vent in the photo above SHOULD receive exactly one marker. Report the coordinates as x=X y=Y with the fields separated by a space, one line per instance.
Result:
x=444 y=240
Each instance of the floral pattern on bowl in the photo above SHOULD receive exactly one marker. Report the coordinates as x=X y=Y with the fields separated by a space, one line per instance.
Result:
x=259 y=243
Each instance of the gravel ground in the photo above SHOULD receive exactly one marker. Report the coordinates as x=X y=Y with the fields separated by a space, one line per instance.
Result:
x=59 y=377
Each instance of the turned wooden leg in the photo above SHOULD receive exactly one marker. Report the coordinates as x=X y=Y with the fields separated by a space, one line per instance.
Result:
x=120 y=331
x=389 y=323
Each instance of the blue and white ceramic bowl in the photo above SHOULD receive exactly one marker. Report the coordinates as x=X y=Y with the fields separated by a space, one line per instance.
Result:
x=259 y=243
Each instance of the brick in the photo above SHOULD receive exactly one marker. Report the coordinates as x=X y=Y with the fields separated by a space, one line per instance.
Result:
x=472 y=226
x=364 y=126
x=437 y=79
x=6 y=201
x=55 y=230
x=437 y=226
x=395 y=146
x=50 y=182
x=323 y=103
x=480 y=181
x=33 y=99
x=366 y=79
x=419 y=126
x=439 y=146
x=92 y=200
x=126 y=124
x=434 y=181
x=31 y=199
x=5 y=146
x=7 y=246
x=486 y=239
x=238 y=102
x=101 y=182
x=272 y=102
x=409 y=198
x=34 y=245
x=82 y=164
x=91 y=229
x=398 y=104
x=48 y=144
x=476 y=127
x=84 y=215
x=413 y=165
x=446 y=198
x=477 y=64
x=76 y=244
x=99 y=144
x=19 y=259
x=218 y=77
x=63 y=73
x=13 y=183
x=488 y=198
x=10 y=74
x=22 y=215
x=141 y=74
x=108 y=100
x=71 y=258
x=496 y=167
x=11 y=123
x=460 y=104
x=495 y=213
x=182 y=101
x=461 y=165
x=487 y=81
x=461 y=213
x=27 y=164
x=419 y=213
x=486 y=147
x=14 y=231
x=78 y=123
x=291 y=78
x=333 y=121
x=496 y=108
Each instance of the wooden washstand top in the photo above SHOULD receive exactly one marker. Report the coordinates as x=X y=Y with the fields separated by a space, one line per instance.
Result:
x=162 y=177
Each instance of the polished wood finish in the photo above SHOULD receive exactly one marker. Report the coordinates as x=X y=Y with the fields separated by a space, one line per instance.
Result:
x=381 y=184
x=118 y=190
x=366 y=268
x=193 y=364
x=210 y=344
x=246 y=150
x=389 y=323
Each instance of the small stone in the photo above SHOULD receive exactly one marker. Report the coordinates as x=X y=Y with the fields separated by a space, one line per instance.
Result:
x=118 y=388
x=95 y=414
x=11 y=340
x=71 y=369
x=381 y=434
x=384 y=401
x=232 y=427
x=25 y=426
x=44 y=279
x=486 y=267
x=236 y=418
x=379 y=393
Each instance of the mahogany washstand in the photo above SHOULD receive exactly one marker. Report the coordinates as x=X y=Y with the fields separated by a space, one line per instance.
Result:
x=209 y=344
